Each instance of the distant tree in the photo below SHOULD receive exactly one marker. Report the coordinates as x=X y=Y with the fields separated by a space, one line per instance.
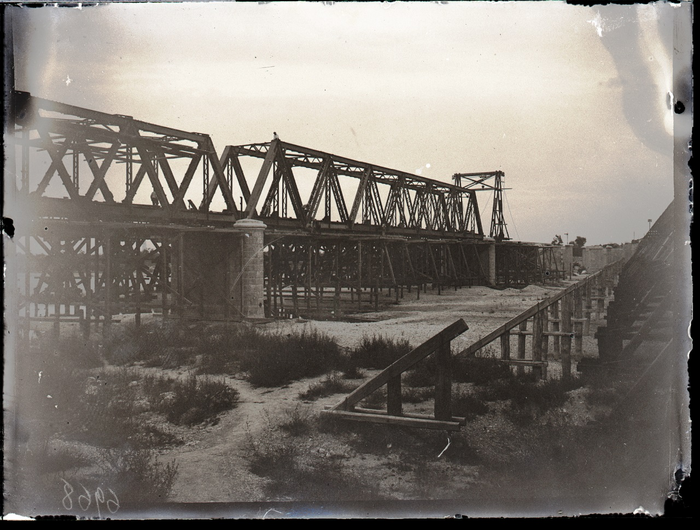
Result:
x=557 y=240
x=579 y=241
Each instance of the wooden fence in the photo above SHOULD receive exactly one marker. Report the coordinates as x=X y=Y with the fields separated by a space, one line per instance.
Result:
x=562 y=319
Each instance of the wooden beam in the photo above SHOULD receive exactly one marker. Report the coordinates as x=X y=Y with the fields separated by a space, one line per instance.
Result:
x=405 y=421
x=402 y=364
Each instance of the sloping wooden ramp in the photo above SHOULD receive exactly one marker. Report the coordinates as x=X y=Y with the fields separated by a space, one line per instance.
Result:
x=391 y=377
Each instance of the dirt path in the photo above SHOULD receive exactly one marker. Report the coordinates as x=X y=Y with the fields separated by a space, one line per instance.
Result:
x=214 y=463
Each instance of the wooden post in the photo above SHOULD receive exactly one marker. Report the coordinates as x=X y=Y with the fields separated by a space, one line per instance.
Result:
x=164 y=276
x=566 y=304
x=108 y=286
x=521 y=345
x=505 y=345
x=280 y=290
x=139 y=279
x=393 y=396
x=443 y=383
x=57 y=319
x=376 y=295
x=587 y=307
x=545 y=340
x=578 y=324
x=537 y=343
x=308 y=278
x=359 y=274
x=601 y=298
x=295 y=295
x=270 y=274
x=93 y=274
x=336 y=296
x=336 y=264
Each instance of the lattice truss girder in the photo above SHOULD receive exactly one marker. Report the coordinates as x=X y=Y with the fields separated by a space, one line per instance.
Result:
x=86 y=149
x=94 y=157
x=349 y=192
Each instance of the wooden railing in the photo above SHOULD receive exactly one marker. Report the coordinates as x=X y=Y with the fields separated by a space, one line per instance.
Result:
x=564 y=317
x=391 y=377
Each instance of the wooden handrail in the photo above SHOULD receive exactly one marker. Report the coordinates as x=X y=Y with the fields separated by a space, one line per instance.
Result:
x=532 y=311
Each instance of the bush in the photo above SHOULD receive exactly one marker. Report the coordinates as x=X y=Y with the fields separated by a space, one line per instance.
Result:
x=138 y=476
x=422 y=374
x=190 y=401
x=529 y=396
x=297 y=421
x=378 y=352
x=479 y=370
x=467 y=405
x=329 y=385
x=417 y=394
x=278 y=359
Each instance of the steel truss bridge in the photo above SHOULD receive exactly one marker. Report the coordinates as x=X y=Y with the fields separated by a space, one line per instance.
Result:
x=116 y=215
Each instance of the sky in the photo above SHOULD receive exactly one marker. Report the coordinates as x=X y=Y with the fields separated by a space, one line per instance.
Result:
x=570 y=102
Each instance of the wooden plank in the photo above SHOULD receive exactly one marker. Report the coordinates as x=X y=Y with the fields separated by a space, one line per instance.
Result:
x=505 y=346
x=457 y=419
x=443 y=383
x=508 y=326
x=566 y=308
x=395 y=420
x=537 y=329
x=402 y=364
x=578 y=321
x=560 y=334
x=393 y=396
x=524 y=362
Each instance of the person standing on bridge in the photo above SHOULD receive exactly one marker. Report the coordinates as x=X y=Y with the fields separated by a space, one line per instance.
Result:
x=274 y=136
x=154 y=198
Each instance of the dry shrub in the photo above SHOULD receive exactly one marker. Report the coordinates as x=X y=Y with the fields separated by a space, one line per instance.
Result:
x=192 y=400
x=278 y=359
x=479 y=370
x=138 y=476
x=329 y=385
x=378 y=352
x=467 y=405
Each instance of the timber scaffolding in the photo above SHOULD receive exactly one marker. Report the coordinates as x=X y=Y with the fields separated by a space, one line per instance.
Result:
x=116 y=215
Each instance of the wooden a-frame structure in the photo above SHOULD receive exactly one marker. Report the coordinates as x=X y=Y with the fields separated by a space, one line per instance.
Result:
x=391 y=377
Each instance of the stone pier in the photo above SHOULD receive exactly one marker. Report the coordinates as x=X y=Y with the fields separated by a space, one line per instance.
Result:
x=246 y=287
x=492 y=264
x=218 y=275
